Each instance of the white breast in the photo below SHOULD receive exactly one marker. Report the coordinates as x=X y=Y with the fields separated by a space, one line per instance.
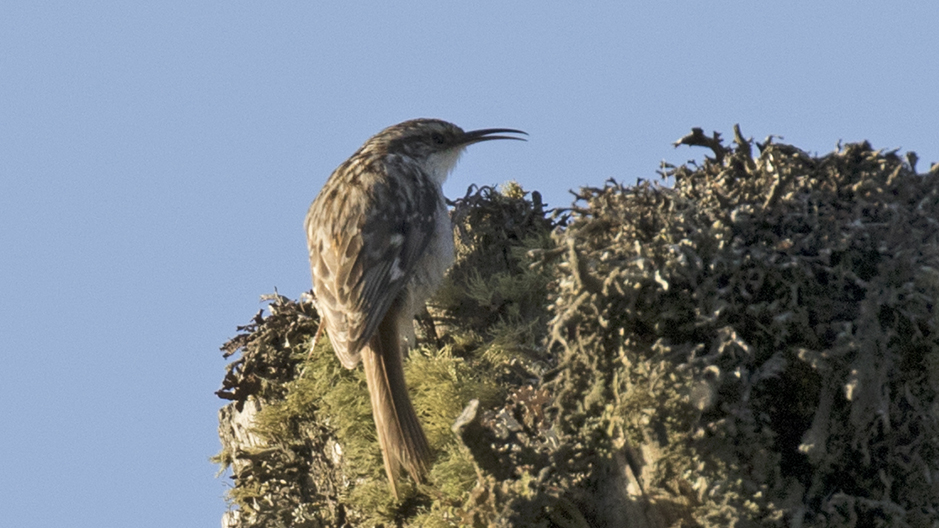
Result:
x=433 y=265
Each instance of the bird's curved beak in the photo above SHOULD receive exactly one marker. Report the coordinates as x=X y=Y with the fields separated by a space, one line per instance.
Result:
x=475 y=136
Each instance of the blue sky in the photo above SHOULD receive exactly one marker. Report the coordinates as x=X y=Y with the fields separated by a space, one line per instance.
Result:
x=156 y=162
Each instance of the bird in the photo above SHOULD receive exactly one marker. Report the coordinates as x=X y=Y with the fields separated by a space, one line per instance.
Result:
x=380 y=241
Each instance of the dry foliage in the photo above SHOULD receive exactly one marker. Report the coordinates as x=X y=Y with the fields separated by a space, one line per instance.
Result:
x=752 y=342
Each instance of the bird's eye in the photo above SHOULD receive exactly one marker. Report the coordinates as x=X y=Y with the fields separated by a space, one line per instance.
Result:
x=437 y=138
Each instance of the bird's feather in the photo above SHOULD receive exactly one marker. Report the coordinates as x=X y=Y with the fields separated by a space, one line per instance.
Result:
x=364 y=243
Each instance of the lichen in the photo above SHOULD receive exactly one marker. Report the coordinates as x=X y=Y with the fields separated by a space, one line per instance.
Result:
x=749 y=341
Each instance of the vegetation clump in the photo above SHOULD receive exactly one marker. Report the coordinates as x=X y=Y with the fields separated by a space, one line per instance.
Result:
x=752 y=341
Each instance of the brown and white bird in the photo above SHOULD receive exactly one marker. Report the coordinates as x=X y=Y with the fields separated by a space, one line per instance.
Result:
x=380 y=242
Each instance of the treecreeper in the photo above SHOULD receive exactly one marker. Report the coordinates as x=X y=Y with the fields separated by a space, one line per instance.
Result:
x=380 y=242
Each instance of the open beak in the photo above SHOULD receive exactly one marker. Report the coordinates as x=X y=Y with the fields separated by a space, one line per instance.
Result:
x=475 y=136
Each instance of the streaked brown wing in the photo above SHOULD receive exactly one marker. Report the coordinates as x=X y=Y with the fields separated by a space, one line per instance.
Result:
x=364 y=235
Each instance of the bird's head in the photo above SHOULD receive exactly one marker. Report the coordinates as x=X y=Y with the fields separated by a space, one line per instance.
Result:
x=434 y=143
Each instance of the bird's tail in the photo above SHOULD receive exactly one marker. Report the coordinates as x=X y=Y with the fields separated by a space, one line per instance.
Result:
x=400 y=435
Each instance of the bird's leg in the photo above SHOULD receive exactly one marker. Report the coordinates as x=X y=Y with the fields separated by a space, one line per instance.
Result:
x=408 y=338
x=428 y=328
x=316 y=338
